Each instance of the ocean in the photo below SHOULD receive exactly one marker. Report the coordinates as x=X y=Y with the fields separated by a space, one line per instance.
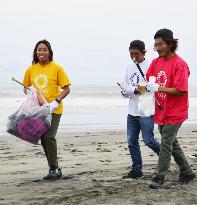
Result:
x=86 y=108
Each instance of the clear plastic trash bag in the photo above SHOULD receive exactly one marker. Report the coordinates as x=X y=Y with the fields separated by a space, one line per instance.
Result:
x=32 y=119
x=146 y=104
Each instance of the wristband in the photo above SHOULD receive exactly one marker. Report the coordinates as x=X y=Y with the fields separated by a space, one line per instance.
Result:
x=57 y=100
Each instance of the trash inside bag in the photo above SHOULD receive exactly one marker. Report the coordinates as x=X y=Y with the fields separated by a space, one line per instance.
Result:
x=31 y=120
x=146 y=104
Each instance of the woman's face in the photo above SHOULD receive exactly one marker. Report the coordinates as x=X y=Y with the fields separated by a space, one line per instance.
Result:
x=42 y=53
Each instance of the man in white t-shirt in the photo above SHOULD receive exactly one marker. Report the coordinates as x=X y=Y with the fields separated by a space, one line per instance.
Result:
x=136 y=122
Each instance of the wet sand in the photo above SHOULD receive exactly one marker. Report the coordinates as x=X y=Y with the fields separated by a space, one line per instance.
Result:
x=93 y=164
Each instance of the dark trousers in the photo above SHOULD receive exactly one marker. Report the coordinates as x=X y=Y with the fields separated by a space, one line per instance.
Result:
x=49 y=143
x=170 y=147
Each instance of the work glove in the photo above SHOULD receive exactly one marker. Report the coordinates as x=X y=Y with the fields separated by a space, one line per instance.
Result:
x=53 y=106
x=128 y=91
x=152 y=87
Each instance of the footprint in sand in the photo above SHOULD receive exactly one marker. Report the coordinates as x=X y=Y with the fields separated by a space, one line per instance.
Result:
x=106 y=160
x=75 y=150
x=39 y=154
x=103 y=150
x=6 y=153
x=6 y=148
x=120 y=142
x=18 y=172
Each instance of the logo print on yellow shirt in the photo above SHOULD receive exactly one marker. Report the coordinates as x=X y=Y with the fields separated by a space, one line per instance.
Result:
x=41 y=81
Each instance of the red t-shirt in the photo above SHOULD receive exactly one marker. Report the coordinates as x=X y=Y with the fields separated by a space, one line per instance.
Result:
x=172 y=73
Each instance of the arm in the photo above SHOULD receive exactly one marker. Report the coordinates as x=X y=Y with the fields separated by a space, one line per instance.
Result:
x=171 y=91
x=150 y=71
x=180 y=86
x=63 y=82
x=55 y=103
x=154 y=87
x=64 y=93
x=26 y=81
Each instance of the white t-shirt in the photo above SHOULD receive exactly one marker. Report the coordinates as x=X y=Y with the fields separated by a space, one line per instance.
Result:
x=133 y=78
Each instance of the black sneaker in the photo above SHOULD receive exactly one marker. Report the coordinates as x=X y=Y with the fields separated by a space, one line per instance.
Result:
x=133 y=174
x=183 y=178
x=156 y=183
x=53 y=174
x=59 y=171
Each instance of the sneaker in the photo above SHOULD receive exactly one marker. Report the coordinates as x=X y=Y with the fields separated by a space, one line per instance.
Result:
x=133 y=174
x=59 y=171
x=183 y=178
x=53 y=174
x=156 y=183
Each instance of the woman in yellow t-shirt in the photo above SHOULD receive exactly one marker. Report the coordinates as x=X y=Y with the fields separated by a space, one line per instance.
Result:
x=51 y=80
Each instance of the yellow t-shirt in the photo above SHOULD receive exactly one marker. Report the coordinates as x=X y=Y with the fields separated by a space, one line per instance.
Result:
x=48 y=79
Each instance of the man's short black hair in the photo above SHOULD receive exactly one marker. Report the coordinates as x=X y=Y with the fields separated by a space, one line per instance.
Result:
x=137 y=44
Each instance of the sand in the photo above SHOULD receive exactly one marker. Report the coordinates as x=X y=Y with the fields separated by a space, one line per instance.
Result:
x=93 y=164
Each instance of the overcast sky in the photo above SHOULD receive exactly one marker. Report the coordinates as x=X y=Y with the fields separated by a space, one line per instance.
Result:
x=90 y=38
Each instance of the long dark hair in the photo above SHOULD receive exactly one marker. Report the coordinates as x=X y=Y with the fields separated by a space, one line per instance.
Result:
x=173 y=43
x=35 y=57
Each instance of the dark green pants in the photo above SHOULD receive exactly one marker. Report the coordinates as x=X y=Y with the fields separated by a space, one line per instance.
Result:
x=170 y=147
x=49 y=143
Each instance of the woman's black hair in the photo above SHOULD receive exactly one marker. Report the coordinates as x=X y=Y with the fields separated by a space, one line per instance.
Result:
x=35 y=57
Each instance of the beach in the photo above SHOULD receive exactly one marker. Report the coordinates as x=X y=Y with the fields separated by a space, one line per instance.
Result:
x=93 y=164
x=92 y=43
x=93 y=154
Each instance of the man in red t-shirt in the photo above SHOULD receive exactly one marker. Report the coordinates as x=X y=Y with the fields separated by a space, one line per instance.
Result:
x=171 y=89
